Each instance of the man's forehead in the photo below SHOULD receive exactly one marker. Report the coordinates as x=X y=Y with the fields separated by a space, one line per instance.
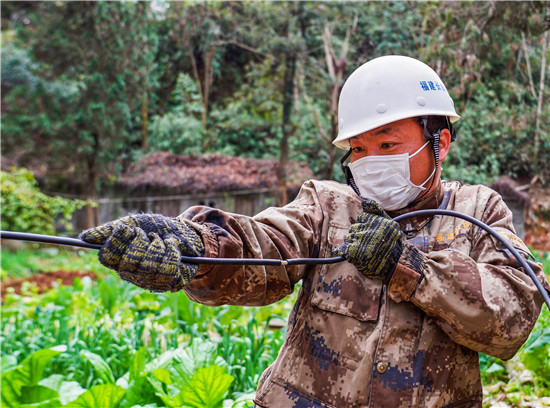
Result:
x=398 y=129
x=381 y=131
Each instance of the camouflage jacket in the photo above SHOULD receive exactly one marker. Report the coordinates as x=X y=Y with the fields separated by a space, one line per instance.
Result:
x=354 y=342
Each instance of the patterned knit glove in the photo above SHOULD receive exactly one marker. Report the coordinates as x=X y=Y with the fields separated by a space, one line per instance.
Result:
x=374 y=243
x=145 y=250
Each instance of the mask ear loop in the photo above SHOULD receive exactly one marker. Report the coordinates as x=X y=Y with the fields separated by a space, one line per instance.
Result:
x=348 y=174
x=434 y=140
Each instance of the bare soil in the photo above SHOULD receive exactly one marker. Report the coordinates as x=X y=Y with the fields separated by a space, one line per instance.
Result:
x=45 y=281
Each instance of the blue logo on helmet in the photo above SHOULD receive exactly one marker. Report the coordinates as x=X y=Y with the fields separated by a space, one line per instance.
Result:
x=432 y=86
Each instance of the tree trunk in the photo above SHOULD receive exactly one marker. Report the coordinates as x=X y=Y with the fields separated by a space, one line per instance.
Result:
x=286 y=128
x=144 y=122
x=333 y=151
x=546 y=41
x=208 y=79
x=336 y=66
x=91 y=213
x=203 y=87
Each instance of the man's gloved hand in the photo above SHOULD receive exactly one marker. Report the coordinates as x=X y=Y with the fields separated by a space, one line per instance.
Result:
x=374 y=242
x=145 y=250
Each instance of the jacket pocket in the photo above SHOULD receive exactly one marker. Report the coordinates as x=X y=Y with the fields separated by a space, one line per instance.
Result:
x=343 y=290
x=340 y=288
x=343 y=315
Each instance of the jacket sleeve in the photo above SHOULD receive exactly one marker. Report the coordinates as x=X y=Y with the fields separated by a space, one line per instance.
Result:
x=279 y=233
x=483 y=300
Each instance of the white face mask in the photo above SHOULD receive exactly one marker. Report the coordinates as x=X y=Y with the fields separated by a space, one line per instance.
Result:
x=387 y=179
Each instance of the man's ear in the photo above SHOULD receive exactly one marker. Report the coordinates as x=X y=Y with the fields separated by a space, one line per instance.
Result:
x=444 y=144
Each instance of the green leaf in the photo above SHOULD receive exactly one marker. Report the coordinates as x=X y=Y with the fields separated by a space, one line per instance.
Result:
x=99 y=396
x=207 y=388
x=243 y=401
x=35 y=364
x=108 y=291
x=200 y=354
x=28 y=373
x=163 y=375
x=54 y=381
x=11 y=391
x=7 y=363
x=138 y=364
x=145 y=406
x=158 y=386
x=139 y=391
x=70 y=391
x=102 y=368
x=37 y=393
x=161 y=392
x=495 y=368
x=539 y=339
x=165 y=360
x=45 y=404
x=138 y=387
x=536 y=355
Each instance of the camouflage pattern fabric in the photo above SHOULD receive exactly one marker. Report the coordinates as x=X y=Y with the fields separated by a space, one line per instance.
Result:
x=145 y=250
x=353 y=341
x=374 y=242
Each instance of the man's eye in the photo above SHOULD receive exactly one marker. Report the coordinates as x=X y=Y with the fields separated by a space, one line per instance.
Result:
x=387 y=145
x=357 y=149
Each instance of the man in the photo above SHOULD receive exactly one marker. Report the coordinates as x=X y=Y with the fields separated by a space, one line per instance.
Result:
x=402 y=322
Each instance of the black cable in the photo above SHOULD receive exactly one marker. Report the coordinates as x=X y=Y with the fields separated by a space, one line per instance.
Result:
x=22 y=236
x=75 y=242
x=47 y=239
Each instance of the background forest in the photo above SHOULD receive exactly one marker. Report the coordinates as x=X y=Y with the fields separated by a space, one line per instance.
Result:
x=90 y=87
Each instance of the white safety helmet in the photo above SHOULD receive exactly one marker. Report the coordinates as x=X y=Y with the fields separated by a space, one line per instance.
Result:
x=388 y=89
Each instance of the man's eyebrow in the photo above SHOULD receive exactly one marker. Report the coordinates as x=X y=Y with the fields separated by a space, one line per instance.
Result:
x=384 y=131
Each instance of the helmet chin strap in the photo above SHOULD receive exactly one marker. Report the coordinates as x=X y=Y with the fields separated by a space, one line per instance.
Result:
x=434 y=139
x=347 y=173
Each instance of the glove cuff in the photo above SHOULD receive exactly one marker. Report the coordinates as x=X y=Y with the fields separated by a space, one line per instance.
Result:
x=413 y=259
x=407 y=275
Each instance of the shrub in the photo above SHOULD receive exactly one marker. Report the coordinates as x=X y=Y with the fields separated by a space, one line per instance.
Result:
x=25 y=208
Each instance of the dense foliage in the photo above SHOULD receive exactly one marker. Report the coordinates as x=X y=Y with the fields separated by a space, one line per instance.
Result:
x=26 y=209
x=89 y=87
x=107 y=343
x=111 y=344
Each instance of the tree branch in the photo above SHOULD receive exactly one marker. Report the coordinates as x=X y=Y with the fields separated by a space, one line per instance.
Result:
x=528 y=62
x=248 y=48
x=546 y=38
x=329 y=54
